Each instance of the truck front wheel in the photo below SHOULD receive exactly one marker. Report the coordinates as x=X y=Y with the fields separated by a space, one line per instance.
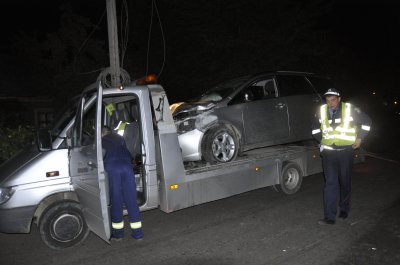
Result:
x=63 y=225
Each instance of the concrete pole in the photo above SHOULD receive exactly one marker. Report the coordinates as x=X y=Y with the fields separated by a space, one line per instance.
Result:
x=113 y=43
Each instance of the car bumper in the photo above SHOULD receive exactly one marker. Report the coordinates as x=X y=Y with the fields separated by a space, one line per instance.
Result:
x=16 y=220
x=190 y=143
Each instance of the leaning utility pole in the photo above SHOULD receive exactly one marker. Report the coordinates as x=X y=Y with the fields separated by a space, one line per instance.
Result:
x=113 y=43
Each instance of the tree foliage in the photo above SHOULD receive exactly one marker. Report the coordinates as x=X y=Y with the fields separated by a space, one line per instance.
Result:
x=60 y=63
x=12 y=140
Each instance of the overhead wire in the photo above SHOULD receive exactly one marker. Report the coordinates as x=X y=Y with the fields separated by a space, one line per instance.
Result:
x=163 y=38
x=124 y=30
x=149 y=37
x=154 y=7
x=87 y=39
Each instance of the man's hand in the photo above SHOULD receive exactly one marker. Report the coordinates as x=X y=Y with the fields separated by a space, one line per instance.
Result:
x=356 y=144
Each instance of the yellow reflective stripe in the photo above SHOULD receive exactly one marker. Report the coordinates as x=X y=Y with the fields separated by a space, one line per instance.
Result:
x=365 y=127
x=347 y=115
x=322 y=113
x=316 y=131
x=324 y=119
x=136 y=225
x=121 y=128
x=343 y=130
x=345 y=137
x=118 y=225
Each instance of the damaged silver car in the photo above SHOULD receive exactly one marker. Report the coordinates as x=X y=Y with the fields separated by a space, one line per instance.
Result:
x=248 y=112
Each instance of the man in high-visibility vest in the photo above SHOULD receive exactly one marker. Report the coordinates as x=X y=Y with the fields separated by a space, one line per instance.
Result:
x=118 y=165
x=340 y=128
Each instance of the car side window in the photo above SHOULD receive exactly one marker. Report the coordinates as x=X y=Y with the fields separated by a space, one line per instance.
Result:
x=269 y=88
x=321 y=84
x=258 y=90
x=290 y=85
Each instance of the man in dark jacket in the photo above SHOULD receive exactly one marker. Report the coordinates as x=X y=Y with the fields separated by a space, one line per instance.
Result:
x=340 y=128
x=118 y=165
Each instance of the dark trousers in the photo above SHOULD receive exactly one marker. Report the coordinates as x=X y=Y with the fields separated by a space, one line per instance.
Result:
x=122 y=189
x=337 y=166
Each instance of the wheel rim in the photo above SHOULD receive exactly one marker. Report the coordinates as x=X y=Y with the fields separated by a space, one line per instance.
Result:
x=66 y=227
x=223 y=147
x=291 y=178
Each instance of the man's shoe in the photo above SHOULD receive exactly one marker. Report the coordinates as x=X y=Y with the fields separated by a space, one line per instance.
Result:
x=137 y=233
x=326 y=221
x=343 y=215
x=116 y=238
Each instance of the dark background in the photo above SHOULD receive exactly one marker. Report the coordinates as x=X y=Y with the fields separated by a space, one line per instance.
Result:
x=56 y=48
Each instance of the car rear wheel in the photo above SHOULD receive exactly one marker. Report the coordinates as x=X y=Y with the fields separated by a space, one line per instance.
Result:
x=220 y=145
x=63 y=225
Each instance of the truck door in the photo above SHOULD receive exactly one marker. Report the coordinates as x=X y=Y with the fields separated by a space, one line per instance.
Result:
x=86 y=164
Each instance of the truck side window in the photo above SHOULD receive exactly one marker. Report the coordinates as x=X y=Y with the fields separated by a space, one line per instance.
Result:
x=89 y=127
x=290 y=85
x=85 y=132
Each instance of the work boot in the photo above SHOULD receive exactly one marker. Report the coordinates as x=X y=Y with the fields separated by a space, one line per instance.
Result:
x=117 y=234
x=343 y=215
x=326 y=221
x=137 y=233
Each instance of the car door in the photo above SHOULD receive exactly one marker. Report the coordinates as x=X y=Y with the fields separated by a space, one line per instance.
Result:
x=302 y=103
x=264 y=113
x=86 y=165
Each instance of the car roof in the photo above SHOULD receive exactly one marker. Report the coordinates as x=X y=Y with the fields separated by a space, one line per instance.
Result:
x=300 y=73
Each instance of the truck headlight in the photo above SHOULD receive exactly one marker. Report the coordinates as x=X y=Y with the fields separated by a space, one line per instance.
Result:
x=5 y=194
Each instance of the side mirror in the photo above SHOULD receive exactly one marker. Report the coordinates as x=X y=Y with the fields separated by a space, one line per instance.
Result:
x=44 y=141
x=69 y=138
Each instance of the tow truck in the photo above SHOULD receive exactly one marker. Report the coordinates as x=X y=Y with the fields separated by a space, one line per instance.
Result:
x=164 y=182
x=78 y=203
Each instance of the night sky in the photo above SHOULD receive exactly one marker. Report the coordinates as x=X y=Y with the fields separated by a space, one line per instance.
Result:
x=206 y=42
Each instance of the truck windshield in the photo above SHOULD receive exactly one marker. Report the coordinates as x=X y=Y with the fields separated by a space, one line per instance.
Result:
x=63 y=117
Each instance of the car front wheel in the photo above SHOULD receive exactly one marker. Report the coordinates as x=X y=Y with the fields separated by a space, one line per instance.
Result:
x=220 y=145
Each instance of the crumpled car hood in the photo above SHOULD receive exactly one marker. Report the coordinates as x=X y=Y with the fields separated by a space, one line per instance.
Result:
x=190 y=107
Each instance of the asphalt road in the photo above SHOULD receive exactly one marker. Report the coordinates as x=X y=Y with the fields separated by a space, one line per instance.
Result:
x=258 y=227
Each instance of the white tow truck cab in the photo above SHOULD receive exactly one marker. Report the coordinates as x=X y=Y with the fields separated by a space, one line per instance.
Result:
x=67 y=206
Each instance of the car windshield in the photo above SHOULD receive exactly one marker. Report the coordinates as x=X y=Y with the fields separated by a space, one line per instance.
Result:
x=222 y=90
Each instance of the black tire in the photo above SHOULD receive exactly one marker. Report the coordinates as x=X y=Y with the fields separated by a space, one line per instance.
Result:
x=290 y=179
x=63 y=225
x=220 y=144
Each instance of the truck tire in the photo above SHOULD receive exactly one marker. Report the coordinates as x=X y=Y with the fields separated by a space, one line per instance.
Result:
x=290 y=179
x=62 y=225
x=220 y=144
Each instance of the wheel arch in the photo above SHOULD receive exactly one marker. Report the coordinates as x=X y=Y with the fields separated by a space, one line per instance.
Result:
x=298 y=161
x=223 y=123
x=51 y=200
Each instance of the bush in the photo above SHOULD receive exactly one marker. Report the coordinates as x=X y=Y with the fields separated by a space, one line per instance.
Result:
x=13 y=140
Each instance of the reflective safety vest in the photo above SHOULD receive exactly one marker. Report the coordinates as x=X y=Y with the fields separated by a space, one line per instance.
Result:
x=121 y=128
x=344 y=134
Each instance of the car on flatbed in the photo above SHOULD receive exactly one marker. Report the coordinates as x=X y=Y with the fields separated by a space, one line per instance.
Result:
x=248 y=112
